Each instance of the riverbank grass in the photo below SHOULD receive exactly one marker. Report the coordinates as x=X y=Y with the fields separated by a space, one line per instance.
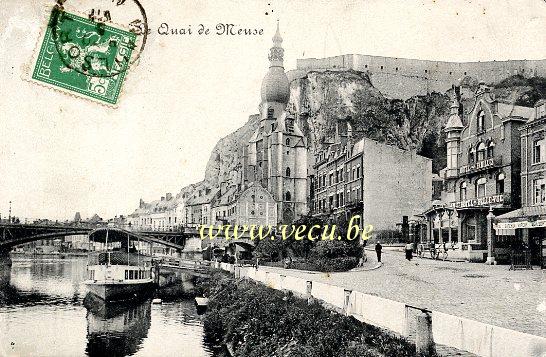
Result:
x=254 y=320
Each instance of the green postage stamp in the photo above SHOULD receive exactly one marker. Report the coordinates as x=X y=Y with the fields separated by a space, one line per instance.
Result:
x=87 y=58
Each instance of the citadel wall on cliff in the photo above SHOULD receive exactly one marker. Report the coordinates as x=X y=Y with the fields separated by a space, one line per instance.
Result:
x=403 y=78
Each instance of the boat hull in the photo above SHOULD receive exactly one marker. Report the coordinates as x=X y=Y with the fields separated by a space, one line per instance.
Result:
x=121 y=291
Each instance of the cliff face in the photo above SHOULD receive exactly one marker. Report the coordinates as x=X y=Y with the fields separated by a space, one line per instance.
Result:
x=320 y=99
x=226 y=157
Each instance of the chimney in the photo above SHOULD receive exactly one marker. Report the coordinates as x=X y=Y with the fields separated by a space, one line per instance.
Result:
x=141 y=204
x=162 y=198
x=168 y=196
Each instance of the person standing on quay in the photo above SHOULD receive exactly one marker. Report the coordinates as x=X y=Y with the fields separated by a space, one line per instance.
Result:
x=409 y=251
x=378 y=248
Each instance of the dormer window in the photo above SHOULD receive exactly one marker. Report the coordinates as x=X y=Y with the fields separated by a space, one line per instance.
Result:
x=287 y=172
x=270 y=113
x=481 y=121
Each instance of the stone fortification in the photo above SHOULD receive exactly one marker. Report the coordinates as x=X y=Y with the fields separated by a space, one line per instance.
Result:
x=403 y=78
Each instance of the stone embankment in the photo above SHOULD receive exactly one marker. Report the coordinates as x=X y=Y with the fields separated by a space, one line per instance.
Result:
x=456 y=332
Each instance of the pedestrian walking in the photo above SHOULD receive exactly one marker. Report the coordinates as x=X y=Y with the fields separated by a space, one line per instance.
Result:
x=378 y=248
x=409 y=251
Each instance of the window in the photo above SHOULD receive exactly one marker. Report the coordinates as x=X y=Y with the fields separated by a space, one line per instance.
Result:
x=287 y=172
x=358 y=171
x=287 y=141
x=131 y=274
x=126 y=274
x=480 y=187
x=539 y=187
x=490 y=149
x=481 y=121
x=539 y=151
x=500 y=183
x=480 y=152
x=470 y=155
x=462 y=191
x=288 y=196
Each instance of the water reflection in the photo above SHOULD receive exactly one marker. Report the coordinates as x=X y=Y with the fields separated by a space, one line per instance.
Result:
x=116 y=329
x=43 y=313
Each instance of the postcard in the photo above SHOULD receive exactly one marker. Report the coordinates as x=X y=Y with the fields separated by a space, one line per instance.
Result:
x=273 y=178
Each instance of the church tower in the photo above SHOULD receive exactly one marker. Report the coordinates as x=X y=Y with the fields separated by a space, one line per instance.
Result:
x=277 y=152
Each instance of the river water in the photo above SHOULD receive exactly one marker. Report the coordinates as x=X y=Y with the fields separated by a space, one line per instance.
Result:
x=42 y=314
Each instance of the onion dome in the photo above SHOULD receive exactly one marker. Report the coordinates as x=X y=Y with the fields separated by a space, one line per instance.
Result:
x=275 y=85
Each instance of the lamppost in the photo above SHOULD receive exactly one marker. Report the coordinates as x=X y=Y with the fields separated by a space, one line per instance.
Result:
x=490 y=238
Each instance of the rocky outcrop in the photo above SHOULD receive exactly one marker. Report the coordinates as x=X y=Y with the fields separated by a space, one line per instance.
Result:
x=325 y=98
x=320 y=99
x=226 y=157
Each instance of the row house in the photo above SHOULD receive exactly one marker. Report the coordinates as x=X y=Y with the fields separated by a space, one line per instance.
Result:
x=482 y=178
x=380 y=183
x=165 y=214
x=199 y=206
x=526 y=226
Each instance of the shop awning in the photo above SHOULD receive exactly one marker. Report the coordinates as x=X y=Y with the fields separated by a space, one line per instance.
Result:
x=505 y=232
x=520 y=224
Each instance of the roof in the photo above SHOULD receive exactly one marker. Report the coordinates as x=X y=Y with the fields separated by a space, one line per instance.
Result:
x=512 y=110
x=224 y=199
x=203 y=199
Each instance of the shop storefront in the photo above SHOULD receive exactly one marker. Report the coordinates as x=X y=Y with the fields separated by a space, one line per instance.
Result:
x=525 y=231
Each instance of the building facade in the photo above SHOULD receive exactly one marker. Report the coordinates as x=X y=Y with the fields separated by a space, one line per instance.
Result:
x=526 y=227
x=482 y=175
x=379 y=182
x=165 y=214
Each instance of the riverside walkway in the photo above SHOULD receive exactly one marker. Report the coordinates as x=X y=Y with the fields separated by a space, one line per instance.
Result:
x=491 y=294
x=472 y=309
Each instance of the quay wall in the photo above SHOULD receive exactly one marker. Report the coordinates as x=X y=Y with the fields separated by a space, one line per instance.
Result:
x=404 y=77
x=468 y=335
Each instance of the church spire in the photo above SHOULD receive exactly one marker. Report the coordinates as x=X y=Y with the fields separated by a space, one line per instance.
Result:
x=276 y=53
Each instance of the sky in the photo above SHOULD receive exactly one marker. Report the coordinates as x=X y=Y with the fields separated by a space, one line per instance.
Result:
x=60 y=154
